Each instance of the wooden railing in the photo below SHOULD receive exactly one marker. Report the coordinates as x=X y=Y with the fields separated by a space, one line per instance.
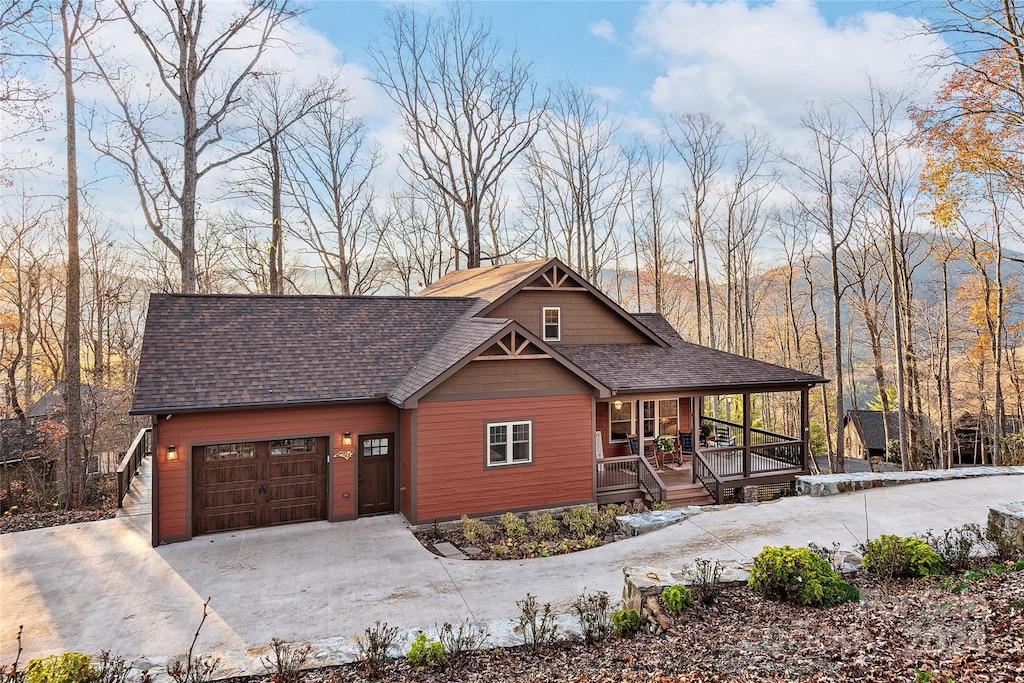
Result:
x=140 y=448
x=733 y=433
x=704 y=473
x=625 y=477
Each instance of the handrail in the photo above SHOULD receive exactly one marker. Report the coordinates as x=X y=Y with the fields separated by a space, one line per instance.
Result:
x=622 y=474
x=129 y=464
x=700 y=466
x=659 y=493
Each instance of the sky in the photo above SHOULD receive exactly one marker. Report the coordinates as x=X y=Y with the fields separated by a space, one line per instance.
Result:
x=742 y=62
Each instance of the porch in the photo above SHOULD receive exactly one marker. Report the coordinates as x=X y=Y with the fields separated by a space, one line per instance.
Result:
x=717 y=458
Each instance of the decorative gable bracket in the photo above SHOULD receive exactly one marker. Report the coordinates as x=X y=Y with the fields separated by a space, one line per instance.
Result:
x=555 y=277
x=512 y=346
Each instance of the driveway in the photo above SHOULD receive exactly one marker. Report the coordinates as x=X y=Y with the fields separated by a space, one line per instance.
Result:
x=100 y=585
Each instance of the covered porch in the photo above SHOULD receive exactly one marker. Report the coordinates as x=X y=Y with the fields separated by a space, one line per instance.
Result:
x=723 y=443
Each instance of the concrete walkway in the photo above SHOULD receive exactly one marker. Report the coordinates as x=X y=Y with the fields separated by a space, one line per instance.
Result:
x=100 y=585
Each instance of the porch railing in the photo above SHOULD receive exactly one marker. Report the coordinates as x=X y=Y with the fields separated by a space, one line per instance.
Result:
x=726 y=433
x=705 y=474
x=129 y=465
x=626 y=477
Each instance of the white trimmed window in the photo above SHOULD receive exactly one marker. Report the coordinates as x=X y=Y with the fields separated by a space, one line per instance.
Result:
x=552 y=323
x=509 y=443
x=620 y=421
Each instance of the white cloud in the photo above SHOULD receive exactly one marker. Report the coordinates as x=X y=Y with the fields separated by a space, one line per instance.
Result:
x=606 y=92
x=760 y=63
x=603 y=29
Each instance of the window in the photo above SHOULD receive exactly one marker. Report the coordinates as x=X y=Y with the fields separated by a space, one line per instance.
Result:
x=231 y=451
x=668 y=417
x=509 y=443
x=552 y=324
x=620 y=420
x=289 y=446
x=649 y=420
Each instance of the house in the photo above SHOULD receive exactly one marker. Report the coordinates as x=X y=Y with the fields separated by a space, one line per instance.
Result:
x=972 y=434
x=495 y=389
x=864 y=433
x=101 y=438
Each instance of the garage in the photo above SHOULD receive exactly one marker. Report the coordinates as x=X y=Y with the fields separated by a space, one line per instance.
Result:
x=248 y=484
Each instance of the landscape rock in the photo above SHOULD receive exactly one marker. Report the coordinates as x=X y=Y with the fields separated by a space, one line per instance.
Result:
x=831 y=484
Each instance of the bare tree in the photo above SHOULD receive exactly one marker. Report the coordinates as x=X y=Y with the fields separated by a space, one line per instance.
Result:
x=417 y=248
x=469 y=111
x=201 y=65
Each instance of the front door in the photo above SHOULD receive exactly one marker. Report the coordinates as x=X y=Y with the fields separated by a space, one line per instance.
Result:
x=376 y=474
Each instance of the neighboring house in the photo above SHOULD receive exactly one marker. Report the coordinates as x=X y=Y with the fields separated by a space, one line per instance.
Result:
x=495 y=389
x=973 y=437
x=101 y=438
x=864 y=433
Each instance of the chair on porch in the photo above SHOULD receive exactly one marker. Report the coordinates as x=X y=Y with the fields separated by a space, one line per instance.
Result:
x=635 y=449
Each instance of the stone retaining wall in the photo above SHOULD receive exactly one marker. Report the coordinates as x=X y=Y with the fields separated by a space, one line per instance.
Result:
x=831 y=484
x=1009 y=519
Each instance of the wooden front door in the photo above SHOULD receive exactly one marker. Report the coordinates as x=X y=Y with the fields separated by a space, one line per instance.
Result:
x=376 y=474
x=251 y=484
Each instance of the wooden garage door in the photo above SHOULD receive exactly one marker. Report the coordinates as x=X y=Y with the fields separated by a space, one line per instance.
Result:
x=250 y=484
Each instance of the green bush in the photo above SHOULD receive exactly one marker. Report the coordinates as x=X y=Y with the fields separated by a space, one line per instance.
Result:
x=69 y=667
x=512 y=525
x=580 y=520
x=626 y=623
x=799 y=575
x=425 y=652
x=474 y=530
x=897 y=557
x=676 y=597
x=544 y=525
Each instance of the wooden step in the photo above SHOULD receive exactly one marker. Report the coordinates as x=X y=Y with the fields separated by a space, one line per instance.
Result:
x=688 y=494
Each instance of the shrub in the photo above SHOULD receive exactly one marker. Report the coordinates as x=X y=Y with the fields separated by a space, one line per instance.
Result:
x=536 y=623
x=69 y=667
x=592 y=609
x=512 y=525
x=425 y=652
x=544 y=525
x=605 y=522
x=626 y=623
x=285 y=661
x=954 y=546
x=799 y=575
x=660 y=505
x=706 y=581
x=1002 y=543
x=375 y=647
x=458 y=641
x=895 y=557
x=195 y=669
x=579 y=520
x=474 y=530
x=676 y=597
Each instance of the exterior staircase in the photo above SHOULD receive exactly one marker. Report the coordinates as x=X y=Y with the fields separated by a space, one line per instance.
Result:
x=681 y=495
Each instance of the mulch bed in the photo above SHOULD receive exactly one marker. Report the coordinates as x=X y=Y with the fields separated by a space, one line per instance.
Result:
x=975 y=635
x=26 y=521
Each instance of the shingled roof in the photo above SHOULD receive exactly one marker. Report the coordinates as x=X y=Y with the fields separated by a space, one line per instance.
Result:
x=217 y=351
x=869 y=425
x=633 y=367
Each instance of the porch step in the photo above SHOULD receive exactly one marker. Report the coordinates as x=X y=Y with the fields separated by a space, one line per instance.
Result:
x=688 y=494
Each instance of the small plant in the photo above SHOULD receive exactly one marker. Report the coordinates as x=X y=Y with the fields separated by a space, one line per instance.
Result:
x=544 y=525
x=707 y=580
x=1002 y=544
x=111 y=668
x=579 y=520
x=660 y=505
x=954 y=546
x=828 y=554
x=9 y=673
x=799 y=575
x=896 y=557
x=195 y=669
x=375 y=647
x=425 y=652
x=285 y=661
x=594 y=614
x=459 y=641
x=512 y=525
x=927 y=676
x=626 y=623
x=68 y=667
x=536 y=623
x=474 y=530
x=676 y=597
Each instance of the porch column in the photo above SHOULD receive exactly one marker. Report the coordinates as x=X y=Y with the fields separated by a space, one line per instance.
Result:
x=746 y=434
x=805 y=425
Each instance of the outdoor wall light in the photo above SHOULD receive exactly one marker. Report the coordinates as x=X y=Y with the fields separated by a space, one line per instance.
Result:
x=347 y=439
x=172 y=453
x=617 y=404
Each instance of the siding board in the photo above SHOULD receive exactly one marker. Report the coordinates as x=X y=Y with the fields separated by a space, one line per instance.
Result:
x=585 y=319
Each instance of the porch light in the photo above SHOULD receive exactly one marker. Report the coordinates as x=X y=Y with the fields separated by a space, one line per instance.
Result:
x=347 y=439
x=172 y=452
x=617 y=404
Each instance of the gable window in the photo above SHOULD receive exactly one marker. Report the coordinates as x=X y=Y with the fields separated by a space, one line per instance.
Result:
x=620 y=416
x=509 y=443
x=552 y=324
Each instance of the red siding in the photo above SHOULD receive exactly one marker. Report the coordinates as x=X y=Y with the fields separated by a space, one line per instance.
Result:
x=451 y=479
x=185 y=430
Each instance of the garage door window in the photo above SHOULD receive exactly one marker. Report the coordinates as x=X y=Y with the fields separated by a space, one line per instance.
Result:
x=231 y=451
x=289 y=446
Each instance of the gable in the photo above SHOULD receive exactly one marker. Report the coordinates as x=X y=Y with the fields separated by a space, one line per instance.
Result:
x=584 y=319
x=483 y=379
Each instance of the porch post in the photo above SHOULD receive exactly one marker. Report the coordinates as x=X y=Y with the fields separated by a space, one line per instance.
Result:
x=746 y=434
x=805 y=425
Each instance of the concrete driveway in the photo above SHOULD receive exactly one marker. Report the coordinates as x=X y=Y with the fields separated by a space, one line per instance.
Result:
x=100 y=585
